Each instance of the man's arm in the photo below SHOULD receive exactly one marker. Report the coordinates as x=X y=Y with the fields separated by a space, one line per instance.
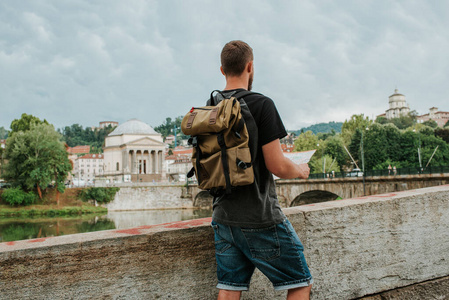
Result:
x=280 y=165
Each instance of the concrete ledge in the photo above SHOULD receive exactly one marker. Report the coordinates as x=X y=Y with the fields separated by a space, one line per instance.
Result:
x=355 y=247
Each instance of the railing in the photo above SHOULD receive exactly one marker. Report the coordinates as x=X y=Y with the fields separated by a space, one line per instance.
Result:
x=385 y=172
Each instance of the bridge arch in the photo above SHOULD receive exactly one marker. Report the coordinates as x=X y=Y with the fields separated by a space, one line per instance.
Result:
x=203 y=199
x=314 y=196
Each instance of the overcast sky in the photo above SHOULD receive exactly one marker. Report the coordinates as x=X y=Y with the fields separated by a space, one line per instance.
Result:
x=88 y=61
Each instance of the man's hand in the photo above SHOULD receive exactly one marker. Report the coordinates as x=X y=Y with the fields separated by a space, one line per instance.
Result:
x=280 y=165
x=304 y=171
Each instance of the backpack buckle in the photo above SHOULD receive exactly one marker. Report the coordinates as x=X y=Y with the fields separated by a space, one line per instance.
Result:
x=243 y=165
x=193 y=141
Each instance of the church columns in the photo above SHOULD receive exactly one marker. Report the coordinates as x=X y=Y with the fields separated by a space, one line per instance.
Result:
x=145 y=161
x=153 y=161
x=160 y=158
x=134 y=162
x=142 y=163
x=124 y=160
x=149 y=166
x=156 y=162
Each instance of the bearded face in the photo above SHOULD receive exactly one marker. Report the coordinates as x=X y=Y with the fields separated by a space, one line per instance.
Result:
x=250 y=80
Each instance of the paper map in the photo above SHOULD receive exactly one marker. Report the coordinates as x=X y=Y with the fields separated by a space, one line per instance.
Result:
x=300 y=157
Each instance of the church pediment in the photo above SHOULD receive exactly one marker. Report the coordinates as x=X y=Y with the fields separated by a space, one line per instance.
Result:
x=146 y=142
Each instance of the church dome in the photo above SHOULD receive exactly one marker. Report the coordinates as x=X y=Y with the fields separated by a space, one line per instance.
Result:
x=133 y=126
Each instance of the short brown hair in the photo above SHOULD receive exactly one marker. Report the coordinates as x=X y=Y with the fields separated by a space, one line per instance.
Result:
x=234 y=57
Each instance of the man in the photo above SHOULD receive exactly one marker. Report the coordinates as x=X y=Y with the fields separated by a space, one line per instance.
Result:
x=250 y=228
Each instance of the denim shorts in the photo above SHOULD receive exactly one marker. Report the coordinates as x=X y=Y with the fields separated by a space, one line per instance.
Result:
x=276 y=251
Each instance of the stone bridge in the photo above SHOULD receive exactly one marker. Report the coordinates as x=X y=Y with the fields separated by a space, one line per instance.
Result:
x=290 y=192
x=299 y=191
x=389 y=246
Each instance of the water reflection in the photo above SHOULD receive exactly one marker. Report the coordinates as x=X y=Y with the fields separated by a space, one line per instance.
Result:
x=13 y=229
x=129 y=219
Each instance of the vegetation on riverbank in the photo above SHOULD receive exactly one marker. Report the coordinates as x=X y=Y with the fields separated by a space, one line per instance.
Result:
x=70 y=203
x=49 y=210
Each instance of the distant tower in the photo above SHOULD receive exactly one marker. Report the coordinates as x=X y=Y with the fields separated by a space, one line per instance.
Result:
x=398 y=106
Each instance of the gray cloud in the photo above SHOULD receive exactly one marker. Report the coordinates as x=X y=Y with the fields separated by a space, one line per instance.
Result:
x=89 y=61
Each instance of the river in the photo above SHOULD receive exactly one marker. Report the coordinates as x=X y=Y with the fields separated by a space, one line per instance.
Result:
x=14 y=229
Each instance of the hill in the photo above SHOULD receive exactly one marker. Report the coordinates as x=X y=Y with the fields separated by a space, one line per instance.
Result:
x=322 y=127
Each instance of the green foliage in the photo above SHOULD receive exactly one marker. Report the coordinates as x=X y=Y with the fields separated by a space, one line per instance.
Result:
x=334 y=148
x=16 y=196
x=99 y=194
x=25 y=123
x=386 y=144
x=381 y=120
x=76 y=135
x=167 y=128
x=22 y=229
x=430 y=123
x=322 y=128
x=384 y=165
x=402 y=122
x=36 y=158
x=350 y=126
x=306 y=141
x=41 y=210
x=317 y=163
x=442 y=133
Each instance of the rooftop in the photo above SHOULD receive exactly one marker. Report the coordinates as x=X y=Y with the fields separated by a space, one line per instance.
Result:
x=133 y=126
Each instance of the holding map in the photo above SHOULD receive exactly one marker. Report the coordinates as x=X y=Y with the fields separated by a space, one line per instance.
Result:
x=300 y=157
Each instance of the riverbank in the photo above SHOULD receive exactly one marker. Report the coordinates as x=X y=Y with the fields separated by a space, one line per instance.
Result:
x=69 y=204
x=49 y=210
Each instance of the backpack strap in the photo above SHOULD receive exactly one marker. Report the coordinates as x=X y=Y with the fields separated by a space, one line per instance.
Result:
x=224 y=161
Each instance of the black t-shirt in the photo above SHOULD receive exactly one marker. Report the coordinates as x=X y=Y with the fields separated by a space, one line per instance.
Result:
x=255 y=205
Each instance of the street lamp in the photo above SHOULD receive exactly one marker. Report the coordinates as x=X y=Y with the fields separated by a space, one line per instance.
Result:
x=324 y=174
x=363 y=161
x=174 y=131
x=419 y=149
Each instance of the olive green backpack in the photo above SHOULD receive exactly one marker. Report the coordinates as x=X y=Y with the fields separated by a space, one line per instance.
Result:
x=221 y=156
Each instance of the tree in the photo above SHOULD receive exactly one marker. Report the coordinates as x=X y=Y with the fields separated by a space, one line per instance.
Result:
x=430 y=123
x=306 y=141
x=322 y=128
x=404 y=122
x=443 y=133
x=76 y=135
x=381 y=120
x=36 y=159
x=167 y=128
x=318 y=162
x=350 y=126
x=334 y=148
x=25 y=123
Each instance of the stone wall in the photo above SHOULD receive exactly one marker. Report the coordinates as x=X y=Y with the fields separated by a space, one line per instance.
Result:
x=150 y=197
x=354 y=247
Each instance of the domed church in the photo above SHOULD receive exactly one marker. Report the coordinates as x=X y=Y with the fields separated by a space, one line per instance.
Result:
x=134 y=152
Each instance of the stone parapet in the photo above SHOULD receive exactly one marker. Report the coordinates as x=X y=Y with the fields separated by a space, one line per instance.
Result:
x=354 y=247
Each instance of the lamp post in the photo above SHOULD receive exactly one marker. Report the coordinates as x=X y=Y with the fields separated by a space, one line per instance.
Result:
x=363 y=161
x=174 y=131
x=419 y=149
x=324 y=175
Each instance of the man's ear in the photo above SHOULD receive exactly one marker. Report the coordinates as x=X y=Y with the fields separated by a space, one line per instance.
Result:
x=249 y=67
x=222 y=72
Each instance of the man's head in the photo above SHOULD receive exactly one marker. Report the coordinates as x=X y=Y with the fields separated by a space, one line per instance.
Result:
x=236 y=59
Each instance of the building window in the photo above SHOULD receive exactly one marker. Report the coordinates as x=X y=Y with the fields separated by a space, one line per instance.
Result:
x=118 y=167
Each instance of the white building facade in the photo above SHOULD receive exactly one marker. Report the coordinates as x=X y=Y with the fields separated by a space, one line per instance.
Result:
x=87 y=168
x=397 y=106
x=134 y=152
